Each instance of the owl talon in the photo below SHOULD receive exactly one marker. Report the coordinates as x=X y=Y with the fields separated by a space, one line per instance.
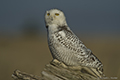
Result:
x=55 y=61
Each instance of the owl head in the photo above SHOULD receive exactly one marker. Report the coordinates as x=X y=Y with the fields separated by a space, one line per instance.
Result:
x=55 y=17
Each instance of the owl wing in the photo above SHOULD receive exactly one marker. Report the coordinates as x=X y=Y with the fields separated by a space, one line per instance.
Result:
x=70 y=41
x=85 y=56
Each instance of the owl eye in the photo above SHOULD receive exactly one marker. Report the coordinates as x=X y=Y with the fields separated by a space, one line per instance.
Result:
x=48 y=14
x=57 y=14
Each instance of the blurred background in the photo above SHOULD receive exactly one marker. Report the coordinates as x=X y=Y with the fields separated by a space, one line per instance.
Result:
x=23 y=39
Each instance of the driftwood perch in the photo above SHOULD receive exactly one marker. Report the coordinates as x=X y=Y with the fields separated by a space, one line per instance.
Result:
x=56 y=70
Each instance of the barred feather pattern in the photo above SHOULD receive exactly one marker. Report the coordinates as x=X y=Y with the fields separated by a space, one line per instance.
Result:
x=66 y=47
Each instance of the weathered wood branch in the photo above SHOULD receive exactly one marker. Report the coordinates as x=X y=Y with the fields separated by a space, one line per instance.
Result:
x=56 y=70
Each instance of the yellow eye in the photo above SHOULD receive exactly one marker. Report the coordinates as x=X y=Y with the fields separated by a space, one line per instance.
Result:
x=48 y=14
x=57 y=14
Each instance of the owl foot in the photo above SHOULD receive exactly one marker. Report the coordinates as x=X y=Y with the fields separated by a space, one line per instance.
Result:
x=58 y=63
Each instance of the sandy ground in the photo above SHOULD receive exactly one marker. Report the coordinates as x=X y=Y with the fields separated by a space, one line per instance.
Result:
x=30 y=54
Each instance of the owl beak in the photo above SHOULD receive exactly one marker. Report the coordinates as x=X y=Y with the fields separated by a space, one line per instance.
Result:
x=51 y=18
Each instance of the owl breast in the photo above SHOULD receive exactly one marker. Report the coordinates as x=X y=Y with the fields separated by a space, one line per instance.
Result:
x=57 y=46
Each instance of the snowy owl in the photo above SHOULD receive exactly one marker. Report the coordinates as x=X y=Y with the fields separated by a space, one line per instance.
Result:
x=65 y=46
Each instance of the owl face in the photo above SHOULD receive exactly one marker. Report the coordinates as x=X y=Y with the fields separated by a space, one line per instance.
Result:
x=55 y=16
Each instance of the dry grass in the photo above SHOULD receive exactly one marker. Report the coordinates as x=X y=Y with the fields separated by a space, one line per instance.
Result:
x=31 y=55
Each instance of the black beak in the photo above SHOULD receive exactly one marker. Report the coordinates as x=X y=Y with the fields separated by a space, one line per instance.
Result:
x=51 y=19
